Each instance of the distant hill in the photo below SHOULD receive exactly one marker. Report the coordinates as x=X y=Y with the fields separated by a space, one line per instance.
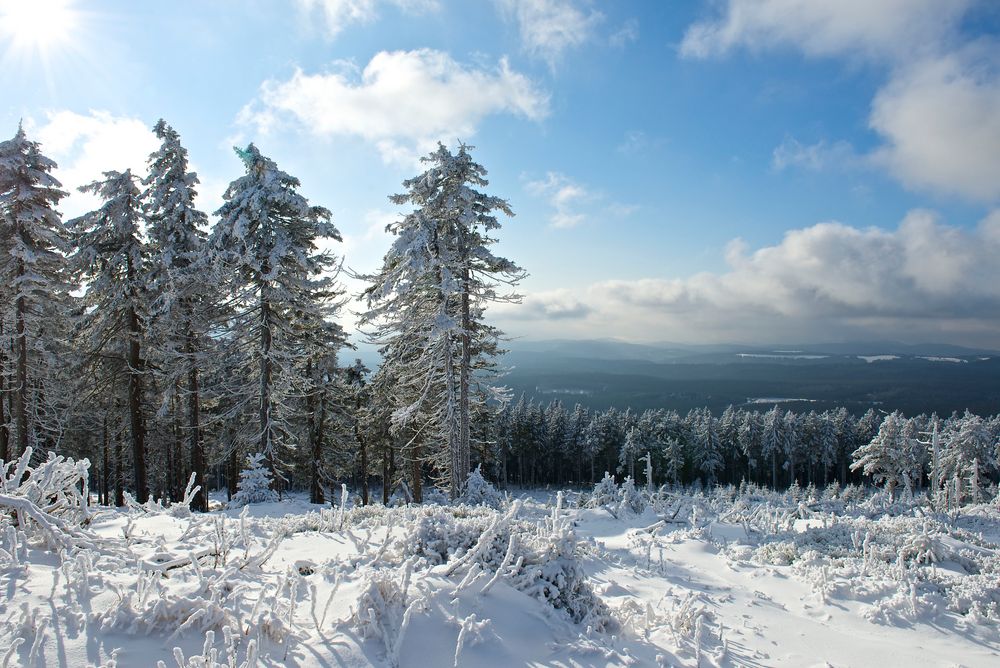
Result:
x=858 y=375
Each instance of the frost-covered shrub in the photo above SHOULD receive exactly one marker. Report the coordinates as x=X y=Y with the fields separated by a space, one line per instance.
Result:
x=605 y=492
x=542 y=564
x=380 y=606
x=255 y=483
x=630 y=499
x=47 y=502
x=479 y=492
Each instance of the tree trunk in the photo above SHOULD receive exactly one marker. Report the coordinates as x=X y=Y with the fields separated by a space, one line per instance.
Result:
x=105 y=464
x=317 y=427
x=465 y=371
x=416 y=481
x=200 y=501
x=266 y=442
x=119 y=475
x=137 y=427
x=232 y=474
x=5 y=454
x=387 y=458
x=21 y=392
x=362 y=446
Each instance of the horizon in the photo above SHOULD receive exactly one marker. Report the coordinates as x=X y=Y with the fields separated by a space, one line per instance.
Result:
x=785 y=168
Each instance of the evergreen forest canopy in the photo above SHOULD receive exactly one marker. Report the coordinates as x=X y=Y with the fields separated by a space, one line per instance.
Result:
x=168 y=350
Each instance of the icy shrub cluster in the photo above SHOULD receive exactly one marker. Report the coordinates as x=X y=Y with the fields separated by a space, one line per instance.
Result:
x=479 y=492
x=540 y=561
x=617 y=500
x=48 y=503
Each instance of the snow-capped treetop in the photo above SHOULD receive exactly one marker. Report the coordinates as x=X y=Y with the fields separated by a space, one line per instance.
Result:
x=111 y=252
x=176 y=227
x=32 y=235
x=266 y=227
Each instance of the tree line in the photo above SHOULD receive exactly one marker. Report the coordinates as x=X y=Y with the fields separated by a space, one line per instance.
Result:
x=550 y=444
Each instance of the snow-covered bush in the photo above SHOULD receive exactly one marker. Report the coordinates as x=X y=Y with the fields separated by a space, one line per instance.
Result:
x=479 y=492
x=630 y=499
x=605 y=492
x=47 y=502
x=255 y=483
x=542 y=564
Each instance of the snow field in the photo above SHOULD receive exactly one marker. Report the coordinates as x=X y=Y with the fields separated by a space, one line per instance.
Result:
x=620 y=577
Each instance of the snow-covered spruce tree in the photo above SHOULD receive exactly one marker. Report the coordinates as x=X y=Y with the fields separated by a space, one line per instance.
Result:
x=180 y=298
x=707 y=446
x=34 y=276
x=434 y=285
x=255 y=483
x=888 y=456
x=772 y=440
x=265 y=248
x=966 y=457
x=111 y=258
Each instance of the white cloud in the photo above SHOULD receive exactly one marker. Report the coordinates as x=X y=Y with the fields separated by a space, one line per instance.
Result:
x=549 y=28
x=564 y=196
x=938 y=113
x=941 y=123
x=402 y=101
x=886 y=28
x=922 y=281
x=553 y=305
x=87 y=145
x=339 y=14
x=816 y=157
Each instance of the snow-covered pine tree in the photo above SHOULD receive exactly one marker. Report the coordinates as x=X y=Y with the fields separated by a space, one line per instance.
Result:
x=33 y=272
x=180 y=296
x=707 y=446
x=772 y=440
x=791 y=444
x=967 y=452
x=428 y=300
x=111 y=258
x=887 y=457
x=749 y=438
x=826 y=442
x=255 y=483
x=265 y=248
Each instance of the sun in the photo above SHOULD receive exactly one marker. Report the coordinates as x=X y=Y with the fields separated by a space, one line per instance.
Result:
x=36 y=27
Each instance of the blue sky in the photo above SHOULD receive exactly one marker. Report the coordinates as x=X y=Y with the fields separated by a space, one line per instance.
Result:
x=730 y=170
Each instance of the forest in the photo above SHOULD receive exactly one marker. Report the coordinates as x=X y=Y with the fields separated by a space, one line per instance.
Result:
x=161 y=343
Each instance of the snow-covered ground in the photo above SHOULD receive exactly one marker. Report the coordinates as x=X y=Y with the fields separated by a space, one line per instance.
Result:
x=614 y=578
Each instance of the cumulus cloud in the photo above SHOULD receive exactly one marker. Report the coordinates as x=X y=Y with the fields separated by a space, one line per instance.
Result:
x=402 y=101
x=938 y=113
x=87 y=145
x=564 y=196
x=925 y=280
x=549 y=28
x=941 y=122
x=339 y=14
